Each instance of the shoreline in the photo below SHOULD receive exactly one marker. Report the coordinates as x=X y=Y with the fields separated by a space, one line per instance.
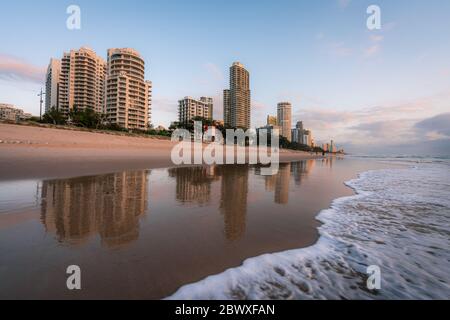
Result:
x=267 y=216
x=268 y=220
x=33 y=152
x=333 y=258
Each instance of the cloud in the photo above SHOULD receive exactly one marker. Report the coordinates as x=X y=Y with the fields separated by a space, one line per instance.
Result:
x=445 y=72
x=422 y=148
x=389 y=26
x=374 y=47
x=371 y=48
x=214 y=71
x=386 y=132
x=164 y=111
x=435 y=128
x=376 y=38
x=13 y=68
x=258 y=113
x=339 y=49
x=410 y=122
x=343 y=3
x=320 y=36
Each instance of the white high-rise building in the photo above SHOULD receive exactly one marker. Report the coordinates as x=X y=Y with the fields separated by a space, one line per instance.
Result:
x=237 y=99
x=128 y=94
x=52 y=85
x=284 y=118
x=82 y=81
x=308 y=140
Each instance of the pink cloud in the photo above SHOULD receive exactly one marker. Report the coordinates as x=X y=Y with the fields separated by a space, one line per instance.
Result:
x=339 y=49
x=13 y=68
x=343 y=3
x=375 y=46
x=386 y=124
x=215 y=71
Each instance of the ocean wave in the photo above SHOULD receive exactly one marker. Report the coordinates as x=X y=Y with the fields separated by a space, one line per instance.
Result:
x=399 y=220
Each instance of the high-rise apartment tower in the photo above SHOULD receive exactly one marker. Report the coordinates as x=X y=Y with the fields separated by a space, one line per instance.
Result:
x=237 y=99
x=52 y=85
x=128 y=95
x=284 y=118
x=82 y=81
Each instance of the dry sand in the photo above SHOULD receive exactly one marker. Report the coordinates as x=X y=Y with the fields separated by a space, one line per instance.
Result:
x=28 y=152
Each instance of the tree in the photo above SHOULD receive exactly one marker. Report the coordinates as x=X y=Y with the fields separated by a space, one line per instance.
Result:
x=54 y=116
x=86 y=118
x=286 y=144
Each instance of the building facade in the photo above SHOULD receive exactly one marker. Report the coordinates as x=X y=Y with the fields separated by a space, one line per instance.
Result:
x=272 y=120
x=237 y=100
x=308 y=139
x=298 y=133
x=11 y=113
x=226 y=108
x=128 y=94
x=284 y=116
x=82 y=81
x=52 y=85
x=301 y=135
x=332 y=147
x=189 y=108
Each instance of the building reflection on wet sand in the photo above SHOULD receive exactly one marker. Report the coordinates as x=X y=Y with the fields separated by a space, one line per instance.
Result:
x=280 y=183
x=233 y=203
x=111 y=205
x=108 y=205
x=194 y=184
x=329 y=161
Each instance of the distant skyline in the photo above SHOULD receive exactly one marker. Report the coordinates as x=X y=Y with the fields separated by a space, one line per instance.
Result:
x=380 y=91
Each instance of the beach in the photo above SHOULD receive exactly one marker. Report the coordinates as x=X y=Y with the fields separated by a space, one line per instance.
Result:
x=37 y=152
x=138 y=226
x=141 y=228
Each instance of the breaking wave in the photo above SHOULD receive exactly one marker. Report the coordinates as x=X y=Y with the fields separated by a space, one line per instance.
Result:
x=399 y=220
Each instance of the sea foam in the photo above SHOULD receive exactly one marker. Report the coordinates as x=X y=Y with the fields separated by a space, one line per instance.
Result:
x=399 y=220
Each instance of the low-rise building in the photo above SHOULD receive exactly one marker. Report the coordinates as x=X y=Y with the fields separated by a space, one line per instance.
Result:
x=11 y=113
x=189 y=108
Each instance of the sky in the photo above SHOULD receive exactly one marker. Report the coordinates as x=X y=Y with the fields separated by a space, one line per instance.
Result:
x=378 y=91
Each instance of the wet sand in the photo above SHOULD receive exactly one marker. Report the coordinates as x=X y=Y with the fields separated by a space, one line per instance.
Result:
x=72 y=197
x=144 y=234
x=33 y=152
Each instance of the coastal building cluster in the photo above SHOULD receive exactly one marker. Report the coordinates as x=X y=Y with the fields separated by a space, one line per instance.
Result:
x=116 y=87
x=9 y=112
x=236 y=102
x=283 y=123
